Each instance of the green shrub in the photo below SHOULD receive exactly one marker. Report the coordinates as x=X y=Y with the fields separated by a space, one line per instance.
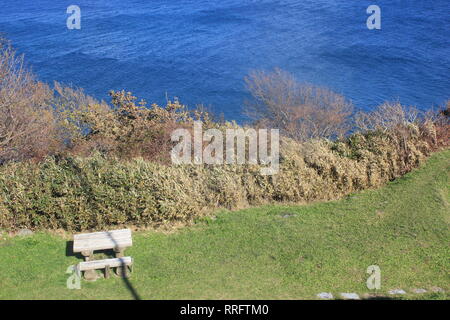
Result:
x=77 y=194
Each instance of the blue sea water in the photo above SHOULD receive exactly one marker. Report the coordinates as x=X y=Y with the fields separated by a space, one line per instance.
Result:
x=200 y=50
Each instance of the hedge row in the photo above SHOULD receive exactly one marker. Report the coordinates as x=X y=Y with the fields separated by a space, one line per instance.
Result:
x=95 y=193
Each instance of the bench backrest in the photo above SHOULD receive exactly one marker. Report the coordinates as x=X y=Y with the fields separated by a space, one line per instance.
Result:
x=114 y=239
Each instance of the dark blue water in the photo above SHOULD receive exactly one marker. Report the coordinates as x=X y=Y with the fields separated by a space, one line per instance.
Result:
x=200 y=50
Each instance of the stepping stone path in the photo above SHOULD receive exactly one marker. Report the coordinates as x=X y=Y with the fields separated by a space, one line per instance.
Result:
x=354 y=296
x=419 y=291
x=397 y=291
x=350 y=296
x=325 y=295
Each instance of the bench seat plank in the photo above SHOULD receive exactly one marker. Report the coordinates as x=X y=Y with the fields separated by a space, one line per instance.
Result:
x=102 y=240
x=101 y=264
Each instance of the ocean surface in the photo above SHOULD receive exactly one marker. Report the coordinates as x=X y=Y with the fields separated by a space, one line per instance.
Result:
x=200 y=50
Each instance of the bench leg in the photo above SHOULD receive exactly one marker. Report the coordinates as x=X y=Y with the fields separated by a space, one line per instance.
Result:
x=107 y=272
x=123 y=270
x=90 y=275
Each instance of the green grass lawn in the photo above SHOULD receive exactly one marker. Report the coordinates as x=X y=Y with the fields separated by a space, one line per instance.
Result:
x=270 y=252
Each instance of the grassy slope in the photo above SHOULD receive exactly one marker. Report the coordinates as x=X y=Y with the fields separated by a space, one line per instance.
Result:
x=258 y=253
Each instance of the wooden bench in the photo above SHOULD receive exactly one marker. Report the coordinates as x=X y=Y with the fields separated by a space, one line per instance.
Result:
x=117 y=240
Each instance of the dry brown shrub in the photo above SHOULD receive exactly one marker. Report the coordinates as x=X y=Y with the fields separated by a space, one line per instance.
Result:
x=27 y=123
x=443 y=125
x=300 y=111
x=70 y=105
x=434 y=125
x=102 y=192
x=387 y=116
x=131 y=130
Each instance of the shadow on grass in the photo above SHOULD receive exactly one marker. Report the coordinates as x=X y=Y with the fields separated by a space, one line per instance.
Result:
x=124 y=276
x=69 y=251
